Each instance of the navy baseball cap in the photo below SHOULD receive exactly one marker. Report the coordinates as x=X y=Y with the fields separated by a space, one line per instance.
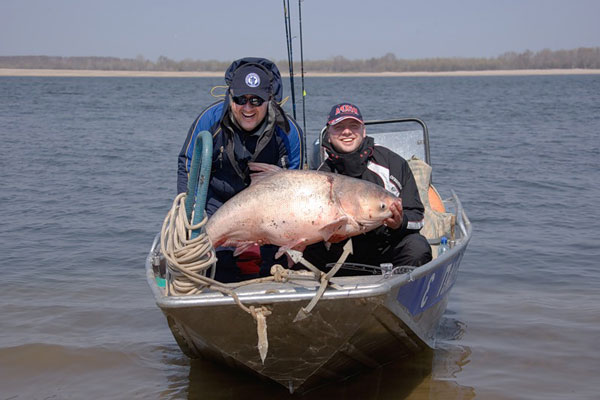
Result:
x=252 y=80
x=343 y=111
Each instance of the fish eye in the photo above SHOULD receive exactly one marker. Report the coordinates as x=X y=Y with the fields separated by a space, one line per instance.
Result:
x=382 y=206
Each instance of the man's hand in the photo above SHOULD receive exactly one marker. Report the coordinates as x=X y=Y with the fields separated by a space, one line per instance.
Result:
x=395 y=221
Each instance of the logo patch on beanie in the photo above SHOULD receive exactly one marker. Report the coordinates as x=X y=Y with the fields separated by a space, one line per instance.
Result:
x=252 y=80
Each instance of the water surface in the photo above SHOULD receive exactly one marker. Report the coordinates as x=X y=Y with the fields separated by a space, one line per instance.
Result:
x=89 y=171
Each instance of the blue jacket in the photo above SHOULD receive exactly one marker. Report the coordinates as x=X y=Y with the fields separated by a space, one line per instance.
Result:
x=274 y=145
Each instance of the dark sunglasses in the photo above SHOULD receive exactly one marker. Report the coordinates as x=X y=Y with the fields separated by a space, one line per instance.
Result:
x=254 y=100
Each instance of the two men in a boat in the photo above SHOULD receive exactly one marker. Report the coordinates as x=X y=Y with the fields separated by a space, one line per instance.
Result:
x=248 y=125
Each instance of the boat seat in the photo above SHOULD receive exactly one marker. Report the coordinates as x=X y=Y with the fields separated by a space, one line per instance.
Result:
x=407 y=144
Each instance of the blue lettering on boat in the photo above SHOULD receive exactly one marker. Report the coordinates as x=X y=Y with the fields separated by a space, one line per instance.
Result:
x=426 y=291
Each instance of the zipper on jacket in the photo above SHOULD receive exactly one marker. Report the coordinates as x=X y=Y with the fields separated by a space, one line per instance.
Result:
x=221 y=157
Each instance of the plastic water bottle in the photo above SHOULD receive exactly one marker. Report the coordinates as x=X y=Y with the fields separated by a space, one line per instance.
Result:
x=443 y=246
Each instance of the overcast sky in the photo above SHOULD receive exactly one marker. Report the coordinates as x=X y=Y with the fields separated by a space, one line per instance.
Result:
x=229 y=29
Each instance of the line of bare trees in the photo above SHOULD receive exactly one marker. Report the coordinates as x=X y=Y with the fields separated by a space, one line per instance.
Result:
x=586 y=58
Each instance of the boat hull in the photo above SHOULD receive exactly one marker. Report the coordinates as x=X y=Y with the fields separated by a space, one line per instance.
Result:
x=366 y=322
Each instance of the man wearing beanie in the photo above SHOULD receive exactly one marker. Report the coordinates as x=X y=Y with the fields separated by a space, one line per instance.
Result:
x=247 y=126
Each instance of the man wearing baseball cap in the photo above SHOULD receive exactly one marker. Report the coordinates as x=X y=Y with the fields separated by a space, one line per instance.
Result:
x=248 y=125
x=351 y=152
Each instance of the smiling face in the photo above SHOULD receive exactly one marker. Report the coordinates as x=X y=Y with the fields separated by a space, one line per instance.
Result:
x=248 y=116
x=347 y=135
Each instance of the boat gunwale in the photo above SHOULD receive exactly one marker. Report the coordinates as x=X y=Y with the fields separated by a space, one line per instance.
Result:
x=374 y=285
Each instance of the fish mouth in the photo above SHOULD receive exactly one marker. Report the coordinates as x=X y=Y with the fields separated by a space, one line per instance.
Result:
x=367 y=225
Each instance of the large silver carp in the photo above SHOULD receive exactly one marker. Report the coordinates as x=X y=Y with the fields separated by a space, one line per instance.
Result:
x=295 y=208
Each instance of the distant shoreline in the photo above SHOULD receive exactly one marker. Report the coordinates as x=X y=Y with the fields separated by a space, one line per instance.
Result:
x=197 y=74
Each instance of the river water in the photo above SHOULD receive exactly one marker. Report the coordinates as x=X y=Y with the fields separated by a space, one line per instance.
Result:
x=88 y=173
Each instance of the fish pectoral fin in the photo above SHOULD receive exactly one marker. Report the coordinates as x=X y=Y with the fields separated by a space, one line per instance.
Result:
x=299 y=245
x=242 y=247
x=329 y=231
x=281 y=251
x=335 y=239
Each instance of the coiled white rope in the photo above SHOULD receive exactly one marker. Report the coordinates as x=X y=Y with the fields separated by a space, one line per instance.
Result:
x=188 y=260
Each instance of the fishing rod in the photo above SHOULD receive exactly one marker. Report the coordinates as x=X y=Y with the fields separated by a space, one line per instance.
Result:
x=305 y=163
x=288 y=36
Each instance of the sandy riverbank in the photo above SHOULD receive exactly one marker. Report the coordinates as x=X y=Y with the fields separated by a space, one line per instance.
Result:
x=170 y=74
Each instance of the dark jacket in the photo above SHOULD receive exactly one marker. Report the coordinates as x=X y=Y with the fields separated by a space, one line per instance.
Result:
x=276 y=141
x=385 y=168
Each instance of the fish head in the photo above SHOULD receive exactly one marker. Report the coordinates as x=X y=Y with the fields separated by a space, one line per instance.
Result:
x=370 y=207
